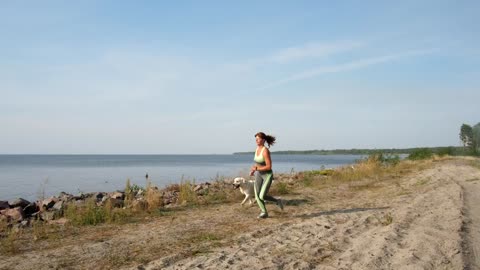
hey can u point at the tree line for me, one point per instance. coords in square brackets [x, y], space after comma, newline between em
[469, 136]
[450, 150]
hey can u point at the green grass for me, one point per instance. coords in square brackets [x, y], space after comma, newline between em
[92, 214]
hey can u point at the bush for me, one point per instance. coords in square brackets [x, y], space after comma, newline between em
[446, 151]
[386, 159]
[422, 153]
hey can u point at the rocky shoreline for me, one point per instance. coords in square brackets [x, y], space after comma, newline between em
[20, 212]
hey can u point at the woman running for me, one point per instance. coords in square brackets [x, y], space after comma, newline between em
[262, 169]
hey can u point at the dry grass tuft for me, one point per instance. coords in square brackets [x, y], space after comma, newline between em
[281, 188]
[153, 198]
[9, 243]
[186, 194]
[386, 219]
[92, 214]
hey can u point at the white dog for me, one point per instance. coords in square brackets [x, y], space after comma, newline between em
[246, 187]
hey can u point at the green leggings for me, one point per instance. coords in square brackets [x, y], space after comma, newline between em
[263, 180]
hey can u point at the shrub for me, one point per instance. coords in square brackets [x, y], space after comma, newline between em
[450, 151]
[387, 159]
[422, 153]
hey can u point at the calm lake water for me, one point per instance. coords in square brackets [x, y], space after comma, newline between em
[30, 176]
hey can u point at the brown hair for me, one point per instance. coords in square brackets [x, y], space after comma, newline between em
[268, 138]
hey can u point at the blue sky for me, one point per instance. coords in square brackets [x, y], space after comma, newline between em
[202, 77]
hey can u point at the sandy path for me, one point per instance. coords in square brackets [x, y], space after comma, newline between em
[471, 189]
[420, 230]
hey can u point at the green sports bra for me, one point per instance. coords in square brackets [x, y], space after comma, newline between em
[259, 158]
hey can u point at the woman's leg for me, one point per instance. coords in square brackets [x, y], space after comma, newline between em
[265, 187]
[258, 187]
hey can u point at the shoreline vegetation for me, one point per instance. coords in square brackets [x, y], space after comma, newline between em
[450, 150]
[52, 223]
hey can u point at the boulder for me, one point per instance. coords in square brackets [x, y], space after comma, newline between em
[31, 209]
[169, 197]
[99, 196]
[79, 197]
[4, 219]
[49, 203]
[114, 202]
[20, 202]
[63, 196]
[4, 205]
[118, 195]
[47, 216]
[198, 188]
[15, 214]
[58, 205]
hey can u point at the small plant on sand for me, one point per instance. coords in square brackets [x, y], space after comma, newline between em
[387, 219]
[423, 181]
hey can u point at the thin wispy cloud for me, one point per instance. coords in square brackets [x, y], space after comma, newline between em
[310, 50]
[357, 64]
[313, 50]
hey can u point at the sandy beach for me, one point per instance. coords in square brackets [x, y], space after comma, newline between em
[422, 217]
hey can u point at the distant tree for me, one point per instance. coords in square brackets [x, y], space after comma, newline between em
[476, 138]
[466, 135]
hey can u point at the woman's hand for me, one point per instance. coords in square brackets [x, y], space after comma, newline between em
[252, 170]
